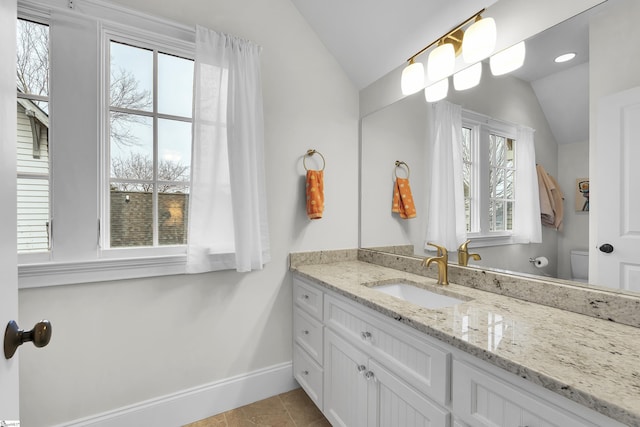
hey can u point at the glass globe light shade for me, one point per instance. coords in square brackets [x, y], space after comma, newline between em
[437, 91]
[441, 63]
[508, 60]
[479, 40]
[468, 78]
[412, 78]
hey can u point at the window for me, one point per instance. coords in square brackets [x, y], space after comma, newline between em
[75, 171]
[32, 80]
[149, 145]
[489, 169]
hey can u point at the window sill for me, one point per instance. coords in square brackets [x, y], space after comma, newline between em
[67, 273]
[481, 241]
[108, 268]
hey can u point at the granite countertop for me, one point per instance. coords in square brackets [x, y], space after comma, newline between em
[591, 361]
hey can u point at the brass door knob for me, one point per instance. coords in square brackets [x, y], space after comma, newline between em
[14, 337]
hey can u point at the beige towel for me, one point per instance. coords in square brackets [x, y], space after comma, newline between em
[551, 199]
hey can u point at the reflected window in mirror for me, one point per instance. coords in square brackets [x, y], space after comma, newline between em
[489, 167]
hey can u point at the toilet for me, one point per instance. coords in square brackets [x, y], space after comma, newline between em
[580, 265]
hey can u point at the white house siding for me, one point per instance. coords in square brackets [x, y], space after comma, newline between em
[33, 185]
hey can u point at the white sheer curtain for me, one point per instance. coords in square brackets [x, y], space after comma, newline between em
[446, 225]
[528, 228]
[227, 208]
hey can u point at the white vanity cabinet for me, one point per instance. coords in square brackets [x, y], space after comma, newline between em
[363, 368]
[374, 373]
[308, 336]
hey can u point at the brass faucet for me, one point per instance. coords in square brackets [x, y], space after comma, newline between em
[441, 260]
[463, 254]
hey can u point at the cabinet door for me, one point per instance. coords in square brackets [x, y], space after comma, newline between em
[345, 387]
[393, 403]
[482, 400]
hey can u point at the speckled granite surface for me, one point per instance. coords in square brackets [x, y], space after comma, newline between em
[591, 361]
[602, 303]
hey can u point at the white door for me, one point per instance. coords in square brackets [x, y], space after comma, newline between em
[9, 407]
[616, 193]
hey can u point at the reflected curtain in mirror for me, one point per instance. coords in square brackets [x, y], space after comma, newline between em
[446, 217]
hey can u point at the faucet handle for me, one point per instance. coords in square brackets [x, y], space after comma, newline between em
[464, 247]
[442, 251]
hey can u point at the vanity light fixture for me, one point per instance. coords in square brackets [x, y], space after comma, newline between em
[468, 78]
[508, 60]
[565, 57]
[476, 44]
[441, 63]
[479, 40]
[412, 77]
[437, 91]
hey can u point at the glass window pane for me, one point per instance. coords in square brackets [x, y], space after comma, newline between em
[499, 183]
[173, 202]
[510, 153]
[509, 182]
[32, 63]
[131, 146]
[174, 150]
[509, 219]
[32, 139]
[175, 85]
[131, 74]
[33, 214]
[131, 215]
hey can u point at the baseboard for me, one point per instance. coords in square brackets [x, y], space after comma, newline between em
[194, 404]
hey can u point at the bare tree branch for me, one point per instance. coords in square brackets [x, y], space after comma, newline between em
[140, 167]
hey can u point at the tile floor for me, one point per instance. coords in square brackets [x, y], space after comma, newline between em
[291, 409]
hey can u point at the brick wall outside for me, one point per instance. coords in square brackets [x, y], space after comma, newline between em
[132, 220]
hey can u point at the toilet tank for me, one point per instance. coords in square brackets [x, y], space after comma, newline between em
[579, 265]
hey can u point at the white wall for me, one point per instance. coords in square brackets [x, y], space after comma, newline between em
[398, 132]
[574, 161]
[119, 343]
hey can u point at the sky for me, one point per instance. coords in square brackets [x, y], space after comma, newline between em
[175, 89]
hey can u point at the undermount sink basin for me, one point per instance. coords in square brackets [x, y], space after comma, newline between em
[417, 295]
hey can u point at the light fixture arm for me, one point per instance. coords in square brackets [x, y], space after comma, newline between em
[475, 16]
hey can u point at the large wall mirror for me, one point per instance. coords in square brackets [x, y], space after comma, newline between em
[553, 99]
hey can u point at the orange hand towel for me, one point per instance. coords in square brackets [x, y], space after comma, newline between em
[315, 194]
[402, 199]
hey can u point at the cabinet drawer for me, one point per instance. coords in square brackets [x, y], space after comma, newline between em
[307, 297]
[308, 374]
[481, 399]
[415, 360]
[307, 332]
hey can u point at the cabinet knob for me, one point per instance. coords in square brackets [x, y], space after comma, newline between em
[305, 372]
[369, 375]
[305, 332]
[305, 296]
[361, 368]
[365, 335]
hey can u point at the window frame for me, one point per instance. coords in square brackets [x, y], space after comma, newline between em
[87, 261]
[482, 127]
[157, 45]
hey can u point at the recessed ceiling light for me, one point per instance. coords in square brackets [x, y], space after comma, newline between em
[565, 57]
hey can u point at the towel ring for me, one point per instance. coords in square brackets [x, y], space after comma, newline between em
[399, 164]
[311, 153]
